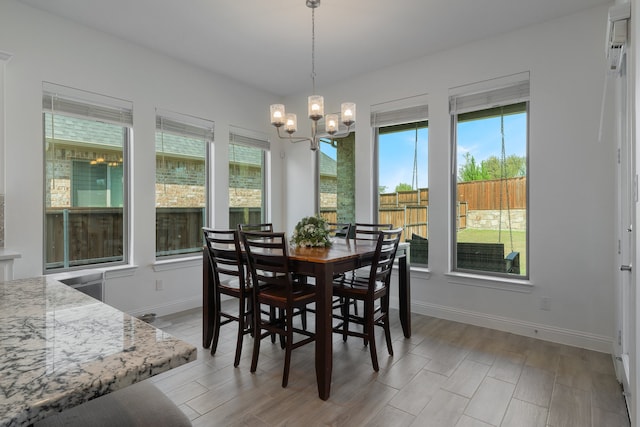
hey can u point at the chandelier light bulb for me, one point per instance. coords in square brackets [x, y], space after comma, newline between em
[291, 123]
[331, 123]
[348, 112]
[277, 114]
[316, 107]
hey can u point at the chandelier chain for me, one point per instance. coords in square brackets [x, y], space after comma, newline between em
[313, 50]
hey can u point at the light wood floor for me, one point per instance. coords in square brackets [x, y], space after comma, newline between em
[446, 374]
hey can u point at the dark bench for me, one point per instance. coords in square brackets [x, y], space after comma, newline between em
[471, 256]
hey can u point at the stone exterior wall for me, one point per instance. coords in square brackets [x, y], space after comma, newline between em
[181, 172]
[245, 198]
[187, 196]
[490, 219]
[346, 169]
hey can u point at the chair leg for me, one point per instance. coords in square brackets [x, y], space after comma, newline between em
[256, 349]
[303, 313]
[283, 339]
[216, 325]
[368, 326]
[387, 334]
[250, 314]
[241, 328]
[288, 348]
[272, 318]
[344, 308]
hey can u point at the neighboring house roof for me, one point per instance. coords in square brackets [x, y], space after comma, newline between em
[74, 130]
[71, 129]
[239, 153]
[328, 166]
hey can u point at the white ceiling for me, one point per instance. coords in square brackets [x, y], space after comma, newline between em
[267, 43]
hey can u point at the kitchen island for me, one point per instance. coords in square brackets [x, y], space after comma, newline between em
[60, 348]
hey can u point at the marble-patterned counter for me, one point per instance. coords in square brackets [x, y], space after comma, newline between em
[60, 348]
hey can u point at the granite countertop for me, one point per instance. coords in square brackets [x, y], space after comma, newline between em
[60, 348]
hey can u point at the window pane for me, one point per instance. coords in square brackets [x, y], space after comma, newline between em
[180, 192]
[337, 179]
[403, 180]
[84, 191]
[491, 190]
[246, 185]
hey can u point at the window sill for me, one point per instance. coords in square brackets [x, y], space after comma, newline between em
[176, 263]
[120, 271]
[505, 284]
[421, 272]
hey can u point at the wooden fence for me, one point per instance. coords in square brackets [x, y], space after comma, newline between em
[81, 236]
[479, 195]
[488, 195]
[418, 197]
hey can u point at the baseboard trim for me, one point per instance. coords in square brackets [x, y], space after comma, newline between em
[171, 307]
[570, 337]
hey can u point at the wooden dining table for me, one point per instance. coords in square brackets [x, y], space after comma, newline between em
[322, 264]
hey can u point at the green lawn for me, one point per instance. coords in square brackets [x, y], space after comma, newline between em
[493, 236]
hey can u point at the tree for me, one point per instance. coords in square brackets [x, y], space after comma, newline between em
[491, 168]
[403, 187]
[382, 189]
[471, 171]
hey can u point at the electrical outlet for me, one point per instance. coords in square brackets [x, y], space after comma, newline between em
[159, 285]
[545, 303]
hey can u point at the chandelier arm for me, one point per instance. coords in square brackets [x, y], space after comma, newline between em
[292, 139]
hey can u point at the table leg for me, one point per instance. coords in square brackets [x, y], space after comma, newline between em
[207, 300]
[404, 289]
[324, 330]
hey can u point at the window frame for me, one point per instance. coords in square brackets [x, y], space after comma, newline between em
[63, 101]
[482, 97]
[256, 140]
[191, 127]
[398, 113]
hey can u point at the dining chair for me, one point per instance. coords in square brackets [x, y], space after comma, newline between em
[276, 287]
[228, 267]
[264, 226]
[369, 231]
[373, 291]
[339, 230]
[267, 226]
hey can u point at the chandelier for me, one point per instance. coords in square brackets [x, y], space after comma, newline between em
[315, 104]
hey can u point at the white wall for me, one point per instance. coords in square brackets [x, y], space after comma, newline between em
[571, 174]
[571, 178]
[46, 48]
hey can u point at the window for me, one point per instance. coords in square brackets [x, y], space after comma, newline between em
[336, 179]
[402, 147]
[247, 171]
[490, 211]
[86, 143]
[182, 144]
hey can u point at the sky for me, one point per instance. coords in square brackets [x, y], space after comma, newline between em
[481, 138]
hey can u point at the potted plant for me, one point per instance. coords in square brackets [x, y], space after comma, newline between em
[311, 231]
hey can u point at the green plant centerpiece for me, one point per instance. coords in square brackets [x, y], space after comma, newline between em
[311, 231]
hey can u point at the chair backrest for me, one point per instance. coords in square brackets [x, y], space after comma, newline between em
[369, 231]
[382, 262]
[339, 230]
[267, 226]
[267, 256]
[225, 254]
